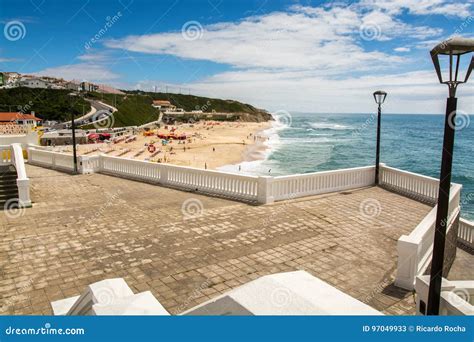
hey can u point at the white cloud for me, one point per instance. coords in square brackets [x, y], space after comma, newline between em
[402, 49]
[6, 60]
[390, 27]
[409, 92]
[420, 7]
[93, 57]
[313, 59]
[82, 71]
[304, 38]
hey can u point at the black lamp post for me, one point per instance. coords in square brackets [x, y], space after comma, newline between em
[452, 48]
[379, 97]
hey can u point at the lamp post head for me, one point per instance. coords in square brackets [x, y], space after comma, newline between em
[453, 47]
[380, 96]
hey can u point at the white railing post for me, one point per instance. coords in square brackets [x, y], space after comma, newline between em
[22, 181]
[163, 175]
[415, 250]
[407, 263]
[24, 192]
[81, 165]
[101, 163]
[466, 233]
[264, 190]
[382, 173]
[53, 161]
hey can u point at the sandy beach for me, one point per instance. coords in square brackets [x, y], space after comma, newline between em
[208, 144]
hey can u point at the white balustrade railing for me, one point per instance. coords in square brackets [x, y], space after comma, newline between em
[54, 160]
[285, 187]
[89, 164]
[222, 183]
[415, 250]
[422, 188]
[41, 158]
[263, 189]
[215, 182]
[466, 233]
[22, 181]
[129, 168]
[5, 155]
[457, 297]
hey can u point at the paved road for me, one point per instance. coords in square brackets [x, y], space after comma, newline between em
[98, 113]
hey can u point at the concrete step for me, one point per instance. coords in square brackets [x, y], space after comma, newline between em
[4, 181]
[5, 202]
[7, 169]
[8, 192]
[5, 199]
[109, 297]
[13, 176]
[8, 189]
[7, 180]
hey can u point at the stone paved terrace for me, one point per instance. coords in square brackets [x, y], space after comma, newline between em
[86, 228]
[462, 268]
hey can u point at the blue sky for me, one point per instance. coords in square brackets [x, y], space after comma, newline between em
[316, 56]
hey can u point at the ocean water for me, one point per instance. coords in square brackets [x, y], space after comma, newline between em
[317, 142]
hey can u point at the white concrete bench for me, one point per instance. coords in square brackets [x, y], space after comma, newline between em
[109, 297]
[290, 293]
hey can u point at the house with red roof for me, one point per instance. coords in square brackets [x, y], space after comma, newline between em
[19, 118]
[163, 104]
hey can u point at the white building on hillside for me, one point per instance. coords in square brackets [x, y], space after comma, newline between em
[34, 83]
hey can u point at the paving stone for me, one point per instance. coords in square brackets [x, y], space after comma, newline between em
[82, 229]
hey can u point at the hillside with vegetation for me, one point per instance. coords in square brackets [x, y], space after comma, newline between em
[48, 104]
[206, 104]
[134, 108]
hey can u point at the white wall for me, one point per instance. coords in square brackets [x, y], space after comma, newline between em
[30, 138]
